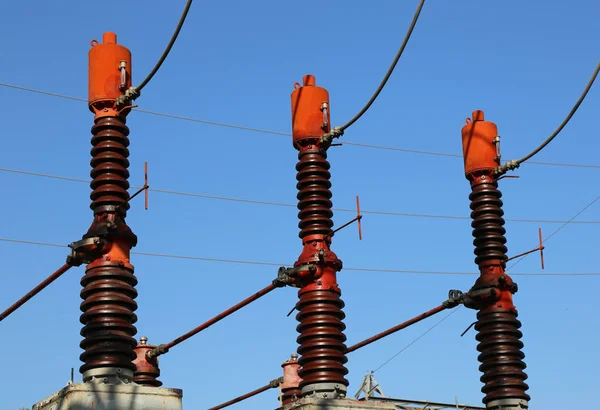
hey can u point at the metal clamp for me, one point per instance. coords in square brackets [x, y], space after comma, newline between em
[285, 276]
[157, 351]
[85, 250]
[455, 298]
[336, 132]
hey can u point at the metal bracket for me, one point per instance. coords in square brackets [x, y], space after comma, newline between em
[285, 276]
[157, 351]
[85, 250]
[455, 298]
[327, 138]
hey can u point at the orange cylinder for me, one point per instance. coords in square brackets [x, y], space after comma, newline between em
[479, 149]
[310, 110]
[107, 81]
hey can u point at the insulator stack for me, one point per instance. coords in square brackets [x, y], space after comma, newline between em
[109, 283]
[109, 165]
[108, 306]
[321, 339]
[320, 315]
[314, 196]
[497, 326]
[488, 224]
[501, 357]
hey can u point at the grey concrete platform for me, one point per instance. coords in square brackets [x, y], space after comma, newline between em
[337, 404]
[100, 396]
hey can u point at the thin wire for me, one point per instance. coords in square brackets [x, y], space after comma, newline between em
[566, 120]
[559, 228]
[287, 205]
[418, 338]
[165, 53]
[248, 262]
[263, 131]
[390, 70]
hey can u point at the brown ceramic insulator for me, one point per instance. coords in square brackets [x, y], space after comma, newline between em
[314, 196]
[488, 224]
[108, 316]
[322, 349]
[109, 165]
[146, 369]
[501, 356]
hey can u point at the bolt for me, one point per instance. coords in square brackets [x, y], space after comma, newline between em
[143, 340]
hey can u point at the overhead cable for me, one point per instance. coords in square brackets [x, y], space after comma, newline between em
[288, 205]
[134, 92]
[516, 163]
[248, 262]
[264, 131]
[390, 70]
[569, 221]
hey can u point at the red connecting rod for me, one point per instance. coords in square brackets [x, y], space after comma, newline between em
[35, 291]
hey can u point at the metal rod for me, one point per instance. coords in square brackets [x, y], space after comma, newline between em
[35, 291]
[139, 191]
[146, 185]
[394, 329]
[525, 253]
[156, 352]
[359, 216]
[244, 397]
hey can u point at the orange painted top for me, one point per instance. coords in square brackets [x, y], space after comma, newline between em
[310, 110]
[109, 71]
[479, 149]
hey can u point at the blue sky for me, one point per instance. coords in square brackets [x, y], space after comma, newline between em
[524, 63]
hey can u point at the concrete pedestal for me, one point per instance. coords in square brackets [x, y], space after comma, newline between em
[337, 404]
[99, 396]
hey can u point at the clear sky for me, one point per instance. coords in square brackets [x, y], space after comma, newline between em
[524, 63]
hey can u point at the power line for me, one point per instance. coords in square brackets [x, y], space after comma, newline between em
[264, 131]
[249, 262]
[163, 57]
[418, 338]
[288, 205]
[515, 164]
[514, 274]
[560, 228]
[390, 70]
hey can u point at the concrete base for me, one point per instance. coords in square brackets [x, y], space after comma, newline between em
[99, 396]
[337, 404]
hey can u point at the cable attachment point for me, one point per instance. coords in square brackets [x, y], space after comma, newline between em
[131, 94]
[509, 166]
[86, 250]
[286, 276]
[275, 383]
[157, 351]
[327, 138]
[455, 298]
